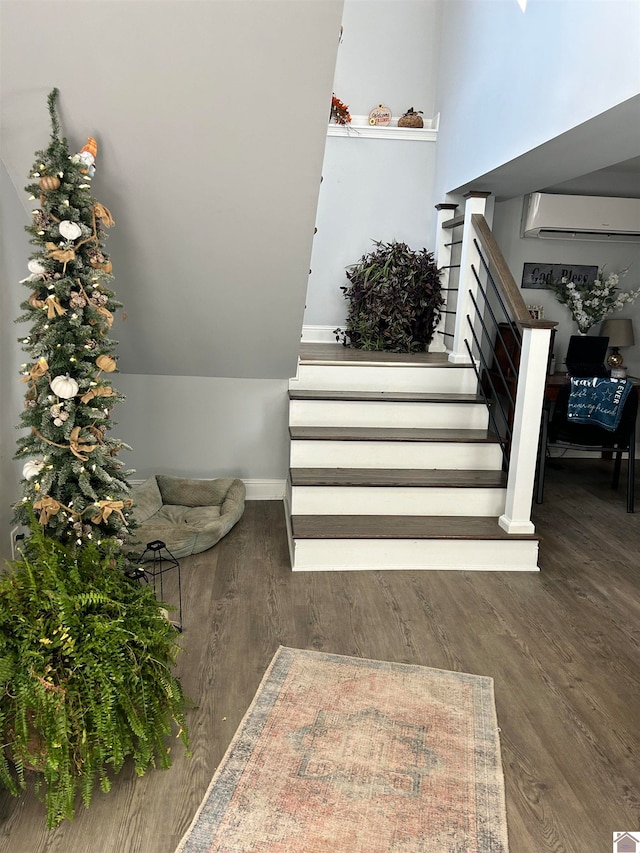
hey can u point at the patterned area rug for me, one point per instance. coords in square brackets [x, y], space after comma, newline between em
[343, 755]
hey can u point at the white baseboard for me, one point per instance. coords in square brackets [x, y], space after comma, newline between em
[318, 335]
[257, 490]
[265, 490]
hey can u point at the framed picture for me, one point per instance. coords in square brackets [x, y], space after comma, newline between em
[536, 312]
[539, 276]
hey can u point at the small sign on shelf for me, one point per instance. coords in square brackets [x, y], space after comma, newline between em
[380, 116]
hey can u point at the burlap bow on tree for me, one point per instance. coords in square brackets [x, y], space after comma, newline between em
[98, 391]
[103, 213]
[38, 370]
[58, 254]
[54, 307]
[48, 507]
[107, 507]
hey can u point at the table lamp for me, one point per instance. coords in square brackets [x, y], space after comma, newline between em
[620, 334]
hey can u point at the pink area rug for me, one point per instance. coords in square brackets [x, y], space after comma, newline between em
[343, 755]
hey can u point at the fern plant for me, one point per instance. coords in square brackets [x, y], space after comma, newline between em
[394, 300]
[86, 678]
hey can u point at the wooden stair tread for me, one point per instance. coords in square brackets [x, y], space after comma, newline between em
[428, 478]
[409, 434]
[338, 354]
[400, 527]
[385, 396]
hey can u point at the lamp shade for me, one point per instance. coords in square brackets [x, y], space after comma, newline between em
[619, 332]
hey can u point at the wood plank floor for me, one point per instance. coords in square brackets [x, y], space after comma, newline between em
[561, 645]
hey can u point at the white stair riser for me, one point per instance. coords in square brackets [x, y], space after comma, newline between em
[452, 380]
[396, 500]
[356, 413]
[395, 454]
[421, 554]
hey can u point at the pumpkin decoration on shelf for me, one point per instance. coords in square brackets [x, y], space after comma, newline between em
[49, 182]
[412, 118]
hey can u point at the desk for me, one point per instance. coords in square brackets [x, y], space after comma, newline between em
[556, 380]
[553, 383]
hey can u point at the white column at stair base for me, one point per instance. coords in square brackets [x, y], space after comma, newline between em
[526, 432]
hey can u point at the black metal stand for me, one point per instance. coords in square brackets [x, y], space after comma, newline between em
[157, 567]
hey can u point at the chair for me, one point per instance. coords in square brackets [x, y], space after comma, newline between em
[560, 432]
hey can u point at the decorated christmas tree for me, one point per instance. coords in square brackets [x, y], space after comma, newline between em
[73, 483]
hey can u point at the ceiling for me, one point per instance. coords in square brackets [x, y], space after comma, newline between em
[598, 157]
[621, 180]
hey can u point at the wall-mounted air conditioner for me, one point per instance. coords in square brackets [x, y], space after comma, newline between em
[581, 217]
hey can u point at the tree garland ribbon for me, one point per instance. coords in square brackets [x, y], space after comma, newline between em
[108, 316]
[35, 302]
[75, 446]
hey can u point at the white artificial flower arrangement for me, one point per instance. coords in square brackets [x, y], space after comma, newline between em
[592, 301]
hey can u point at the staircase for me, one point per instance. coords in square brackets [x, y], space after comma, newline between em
[393, 466]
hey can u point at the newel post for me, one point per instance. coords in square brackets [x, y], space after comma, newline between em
[526, 430]
[467, 284]
[443, 262]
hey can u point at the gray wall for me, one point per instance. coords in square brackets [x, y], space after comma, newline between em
[211, 125]
[13, 245]
[198, 426]
[210, 119]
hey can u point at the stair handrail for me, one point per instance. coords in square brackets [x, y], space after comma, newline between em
[480, 254]
[511, 293]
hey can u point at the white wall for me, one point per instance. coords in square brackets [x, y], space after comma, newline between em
[372, 190]
[388, 54]
[375, 189]
[612, 256]
[509, 81]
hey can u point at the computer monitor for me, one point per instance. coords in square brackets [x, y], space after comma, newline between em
[586, 355]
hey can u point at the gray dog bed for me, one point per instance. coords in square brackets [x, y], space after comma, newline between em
[190, 516]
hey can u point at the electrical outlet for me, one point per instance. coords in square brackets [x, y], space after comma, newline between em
[16, 538]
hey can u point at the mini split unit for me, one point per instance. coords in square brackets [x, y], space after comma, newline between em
[581, 217]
